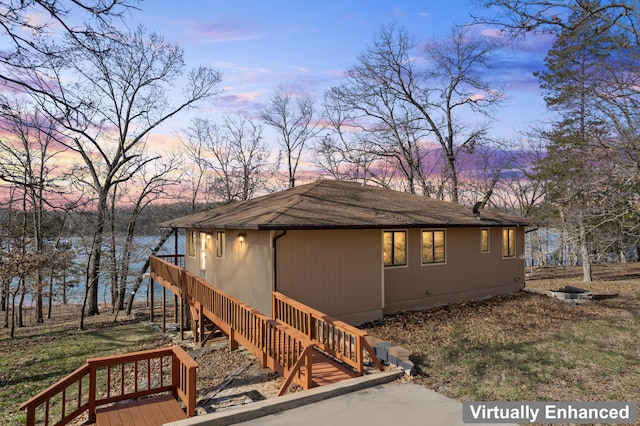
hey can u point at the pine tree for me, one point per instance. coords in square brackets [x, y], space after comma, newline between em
[571, 82]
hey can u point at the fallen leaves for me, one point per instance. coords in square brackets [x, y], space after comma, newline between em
[529, 346]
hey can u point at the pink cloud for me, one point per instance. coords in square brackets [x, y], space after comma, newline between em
[201, 31]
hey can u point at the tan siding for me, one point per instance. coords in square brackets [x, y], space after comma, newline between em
[340, 272]
[467, 273]
[244, 272]
[335, 271]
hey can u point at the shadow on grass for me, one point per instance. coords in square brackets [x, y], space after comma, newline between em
[48, 357]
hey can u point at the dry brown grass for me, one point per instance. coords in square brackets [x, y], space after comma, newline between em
[526, 347]
[520, 347]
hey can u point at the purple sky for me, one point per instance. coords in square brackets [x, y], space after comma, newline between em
[260, 45]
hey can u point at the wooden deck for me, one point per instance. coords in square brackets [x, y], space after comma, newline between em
[327, 371]
[154, 411]
[138, 388]
[300, 343]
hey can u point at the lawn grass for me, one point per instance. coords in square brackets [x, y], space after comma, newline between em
[41, 354]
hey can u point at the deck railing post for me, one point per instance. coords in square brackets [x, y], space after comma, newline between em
[175, 308]
[201, 329]
[264, 343]
[233, 343]
[164, 310]
[151, 299]
[92, 391]
[274, 307]
[309, 362]
[360, 354]
[31, 415]
[181, 318]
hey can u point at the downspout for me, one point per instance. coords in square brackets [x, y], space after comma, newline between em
[275, 259]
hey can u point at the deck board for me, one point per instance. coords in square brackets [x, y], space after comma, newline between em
[152, 411]
[327, 371]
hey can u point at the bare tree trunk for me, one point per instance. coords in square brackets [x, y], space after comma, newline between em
[13, 315]
[23, 292]
[142, 271]
[39, 298]
[584, 253]
[37, 224]
[50, 293]
[93, 272]
[84, 306]
[113, 254]
[4, 300]
[64, 286]
[6, 296]
[124, 267]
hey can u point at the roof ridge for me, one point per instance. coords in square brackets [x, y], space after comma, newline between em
[295, 200]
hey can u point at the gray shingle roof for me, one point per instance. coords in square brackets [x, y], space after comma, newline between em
[330, 204]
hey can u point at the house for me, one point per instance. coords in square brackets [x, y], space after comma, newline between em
[354, 251]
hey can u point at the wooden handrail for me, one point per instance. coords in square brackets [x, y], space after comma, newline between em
[55, 396]
[277, 345]
[339, 339]
[111, 378]
[178, 259]
[183, 379]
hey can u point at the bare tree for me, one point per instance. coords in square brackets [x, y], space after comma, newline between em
[213, 159]
[519, 18]
[27, 24]
[342, 152]
[28, 154]
[250, 153]
[194, 178]
[235, 155]
[293, 117]
[22, 262]
[119, 96]
[148, 186]
[405, 100]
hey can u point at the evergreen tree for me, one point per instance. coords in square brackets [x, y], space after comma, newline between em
[574, 166]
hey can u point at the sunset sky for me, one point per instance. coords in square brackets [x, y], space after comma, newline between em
[260, 45]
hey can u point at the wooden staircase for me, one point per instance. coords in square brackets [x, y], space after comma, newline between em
[303, 345]
[130, 389]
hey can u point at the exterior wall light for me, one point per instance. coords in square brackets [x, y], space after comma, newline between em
[241, 237]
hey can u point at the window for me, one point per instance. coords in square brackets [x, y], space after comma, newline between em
[191, 243]
[203, 251]
[433, 246]
[508, 242]
[220, 242]
[484, 240]
[395, 248]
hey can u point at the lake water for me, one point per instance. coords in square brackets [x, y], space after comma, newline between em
[143, 246]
